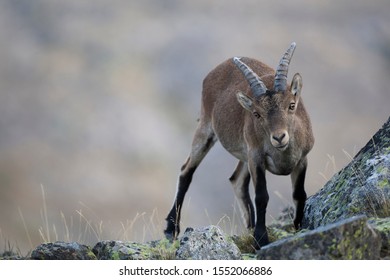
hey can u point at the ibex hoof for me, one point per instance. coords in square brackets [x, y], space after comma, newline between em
[169, 235]
[297, 225]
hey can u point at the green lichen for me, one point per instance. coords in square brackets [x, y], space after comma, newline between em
[115, 255]
[249, 257]
[278, 233]
[383, 183]
[91, 255]
[382, 226]
[354, 252]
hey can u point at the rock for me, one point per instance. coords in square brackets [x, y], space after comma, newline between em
[10, 255]
[120, 250]
[62, 251]
[382, 226]
[349, 239]
[208, 243]
[362, 187]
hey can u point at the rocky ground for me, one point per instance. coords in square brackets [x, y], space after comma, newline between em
[349, 218]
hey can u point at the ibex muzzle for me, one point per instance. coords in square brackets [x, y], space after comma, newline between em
[279, 139]
[262, 121]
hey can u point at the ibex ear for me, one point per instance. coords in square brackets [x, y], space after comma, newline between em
[296, 85]
[245, 101]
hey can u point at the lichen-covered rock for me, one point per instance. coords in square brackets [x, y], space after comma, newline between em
[63, 251]
[126, 250]
[10, 255]
[352, 238]
[382, 226]
[362, 187]
[208, 243]
[121, 250]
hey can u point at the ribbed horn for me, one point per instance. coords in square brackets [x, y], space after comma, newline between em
[280, 83]
[257, 86]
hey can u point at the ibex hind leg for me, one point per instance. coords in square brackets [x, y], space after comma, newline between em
[203, 141]
[240, 180]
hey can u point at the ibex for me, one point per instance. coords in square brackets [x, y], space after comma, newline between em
[260, 120]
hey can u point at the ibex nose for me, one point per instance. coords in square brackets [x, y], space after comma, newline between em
[280, 139]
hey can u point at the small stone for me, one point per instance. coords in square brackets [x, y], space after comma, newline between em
[120, 250]
[62, 251]
[208, 243]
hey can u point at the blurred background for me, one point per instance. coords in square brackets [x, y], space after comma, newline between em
[99, 101]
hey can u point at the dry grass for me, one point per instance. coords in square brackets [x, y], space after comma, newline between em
[85, 227]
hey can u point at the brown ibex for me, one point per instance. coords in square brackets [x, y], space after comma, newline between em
[260, 120]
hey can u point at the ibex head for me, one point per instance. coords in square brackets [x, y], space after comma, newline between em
[274, 109]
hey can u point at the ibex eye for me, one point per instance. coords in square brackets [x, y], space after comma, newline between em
[292, 106]
[257, 115]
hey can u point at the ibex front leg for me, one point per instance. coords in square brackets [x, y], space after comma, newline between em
[299, 194]
[257, 170]
[203, 140]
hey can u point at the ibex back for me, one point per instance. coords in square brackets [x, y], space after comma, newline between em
[259, 119]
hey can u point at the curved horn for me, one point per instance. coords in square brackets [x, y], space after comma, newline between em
[257, 86]
[280, 83]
